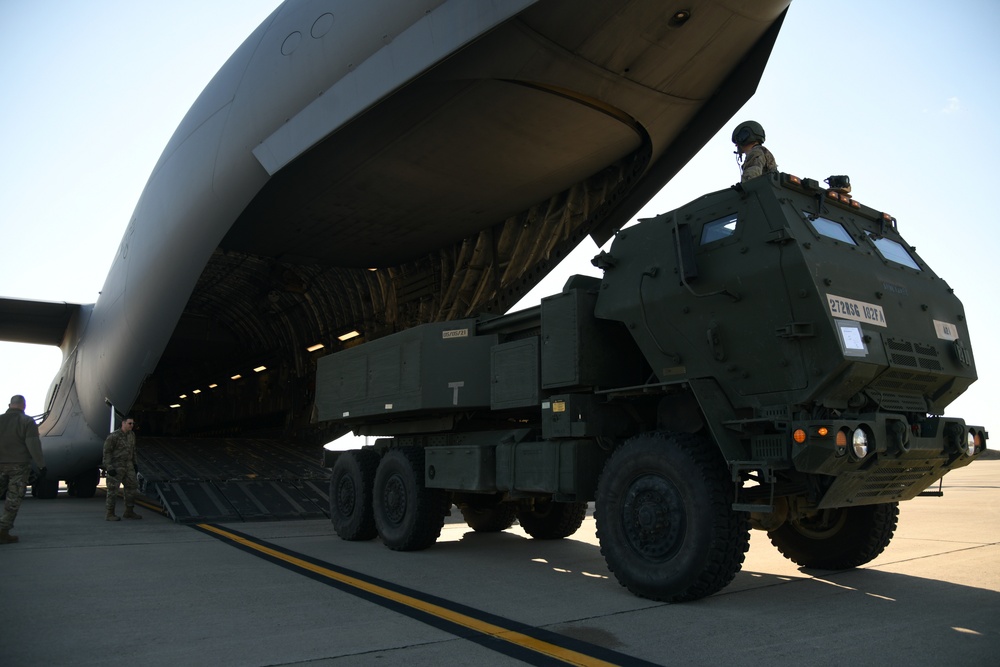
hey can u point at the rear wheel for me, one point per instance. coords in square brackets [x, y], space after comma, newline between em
[409, 516]
[550, 520]
[838, 538]
[489, 516]
[665, 519]
[351, 486]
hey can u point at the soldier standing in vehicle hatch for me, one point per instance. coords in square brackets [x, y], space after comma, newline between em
[121, 465]
[756, 160]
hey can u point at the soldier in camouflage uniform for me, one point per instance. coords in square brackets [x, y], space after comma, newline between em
[121, 466]
[757, 160]
[19, 444]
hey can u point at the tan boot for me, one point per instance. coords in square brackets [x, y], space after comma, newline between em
[130, 514]
[6, 537]
[111, 516]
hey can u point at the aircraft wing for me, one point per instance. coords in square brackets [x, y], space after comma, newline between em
[36, 322]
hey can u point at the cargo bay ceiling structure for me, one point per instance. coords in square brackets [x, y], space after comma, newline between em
[459, 192]
[359, 168]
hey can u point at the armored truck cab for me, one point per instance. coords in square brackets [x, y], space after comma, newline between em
[772, 355]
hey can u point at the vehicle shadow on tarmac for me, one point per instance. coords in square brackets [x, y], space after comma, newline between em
[923, 605]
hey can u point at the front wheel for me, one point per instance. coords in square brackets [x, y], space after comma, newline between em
[839, 538]
[665, 519]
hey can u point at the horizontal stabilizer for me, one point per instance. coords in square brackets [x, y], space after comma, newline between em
[36, 322]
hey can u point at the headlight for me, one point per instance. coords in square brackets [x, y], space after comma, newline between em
[972, 441]
[859, 443]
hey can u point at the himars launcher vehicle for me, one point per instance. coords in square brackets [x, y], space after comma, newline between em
[774, 355]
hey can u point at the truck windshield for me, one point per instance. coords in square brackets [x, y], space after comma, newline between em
[892, 251]
[829, 228]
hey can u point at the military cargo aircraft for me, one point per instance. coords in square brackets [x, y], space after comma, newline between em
[356, 168]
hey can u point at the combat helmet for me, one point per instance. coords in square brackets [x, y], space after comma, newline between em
[747, 131]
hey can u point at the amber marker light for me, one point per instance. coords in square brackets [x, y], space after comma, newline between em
[799, 435]
[822, 431]
[794, 179]
[841, 442]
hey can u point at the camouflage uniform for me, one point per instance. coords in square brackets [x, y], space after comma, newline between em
[758, 162]
[119, 456]
[19, 444]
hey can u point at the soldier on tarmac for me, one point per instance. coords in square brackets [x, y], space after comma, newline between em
[121, 466]
[19, 445]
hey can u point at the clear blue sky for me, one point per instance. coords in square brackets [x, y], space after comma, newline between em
[900, 95]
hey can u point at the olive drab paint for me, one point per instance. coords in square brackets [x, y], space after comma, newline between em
[780, 337]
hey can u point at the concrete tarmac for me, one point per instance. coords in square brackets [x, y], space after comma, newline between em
[78, 590]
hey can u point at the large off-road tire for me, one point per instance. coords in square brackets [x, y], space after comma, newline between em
[409, 516]
[837, 539]
[489, 516]
[549, 520]
[665, 519]
[351, 486]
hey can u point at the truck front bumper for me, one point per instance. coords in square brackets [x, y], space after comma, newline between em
[882, 458]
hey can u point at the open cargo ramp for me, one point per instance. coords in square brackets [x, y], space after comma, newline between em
[233, 479]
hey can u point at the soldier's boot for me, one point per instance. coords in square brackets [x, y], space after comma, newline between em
[111, 515]
[6, 537]
[130, 514]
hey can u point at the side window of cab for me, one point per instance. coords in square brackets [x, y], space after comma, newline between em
[719, 229]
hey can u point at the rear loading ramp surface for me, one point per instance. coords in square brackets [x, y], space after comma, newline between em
[233, 479]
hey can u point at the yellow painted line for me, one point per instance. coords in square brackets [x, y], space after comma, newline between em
[518, 638]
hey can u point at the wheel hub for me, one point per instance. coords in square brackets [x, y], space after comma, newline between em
[394, 500]
[651, 517]
[346, 496]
